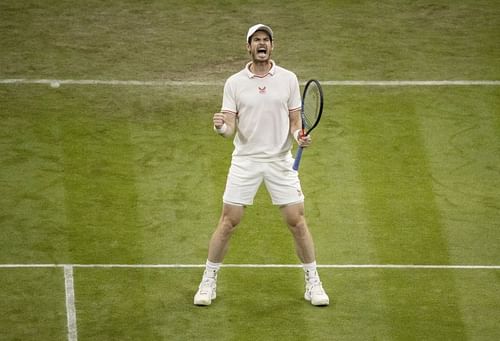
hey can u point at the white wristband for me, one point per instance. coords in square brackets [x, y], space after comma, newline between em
[221, 130]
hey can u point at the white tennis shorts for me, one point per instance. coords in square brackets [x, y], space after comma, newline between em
[246, 175]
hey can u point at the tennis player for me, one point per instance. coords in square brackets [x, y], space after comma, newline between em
[261, 107]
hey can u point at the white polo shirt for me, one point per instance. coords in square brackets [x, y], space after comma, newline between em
[262, 105]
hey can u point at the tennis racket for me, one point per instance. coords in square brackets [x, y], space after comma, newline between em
[310, 112]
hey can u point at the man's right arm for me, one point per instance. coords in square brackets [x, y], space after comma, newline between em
[225, 123]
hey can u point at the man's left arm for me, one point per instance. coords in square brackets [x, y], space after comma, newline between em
[296, 129]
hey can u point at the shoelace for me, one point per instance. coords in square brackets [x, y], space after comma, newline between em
[206, 286]
[316, 288]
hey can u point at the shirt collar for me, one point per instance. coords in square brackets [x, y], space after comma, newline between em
[271, 72]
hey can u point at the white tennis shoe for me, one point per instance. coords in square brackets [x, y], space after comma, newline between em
[206, 291]
[316, 294]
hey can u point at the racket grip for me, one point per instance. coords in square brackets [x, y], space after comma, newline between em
[298, 156]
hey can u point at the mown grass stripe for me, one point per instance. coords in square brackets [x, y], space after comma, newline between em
[99, 181]
[405, 222]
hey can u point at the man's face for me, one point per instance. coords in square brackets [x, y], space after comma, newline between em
[260, 46]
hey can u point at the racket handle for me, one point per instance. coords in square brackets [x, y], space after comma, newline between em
[298, 156]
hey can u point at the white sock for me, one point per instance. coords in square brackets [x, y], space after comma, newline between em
[211, 269]
[311, 272]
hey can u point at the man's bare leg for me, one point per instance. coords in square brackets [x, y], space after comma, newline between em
[219, 243]
[304, 245]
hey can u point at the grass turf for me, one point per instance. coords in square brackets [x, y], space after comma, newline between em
[103, 174]
[102, 186]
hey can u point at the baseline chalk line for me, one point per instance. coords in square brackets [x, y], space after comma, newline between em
[59, 82]
[68, 268]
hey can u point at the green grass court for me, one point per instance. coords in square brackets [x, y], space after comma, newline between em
[102, 174]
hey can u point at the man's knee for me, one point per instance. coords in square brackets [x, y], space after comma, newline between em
[294, 215]
[230, 217]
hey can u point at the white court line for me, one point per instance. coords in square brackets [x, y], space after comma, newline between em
[220, 83]
[70, 303]
[180, 266]
[412, 83]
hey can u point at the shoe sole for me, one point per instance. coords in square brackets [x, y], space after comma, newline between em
[204, 302]
[317, 303]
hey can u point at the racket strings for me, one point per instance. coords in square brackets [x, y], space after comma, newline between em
[312, 104]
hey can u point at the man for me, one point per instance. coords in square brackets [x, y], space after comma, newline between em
[261, 105]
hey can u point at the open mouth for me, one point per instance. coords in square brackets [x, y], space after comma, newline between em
[261, 51]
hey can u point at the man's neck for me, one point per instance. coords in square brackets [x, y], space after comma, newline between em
[261, 68]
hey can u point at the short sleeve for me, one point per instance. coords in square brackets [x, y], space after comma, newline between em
[229, 98]
[294, 102]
